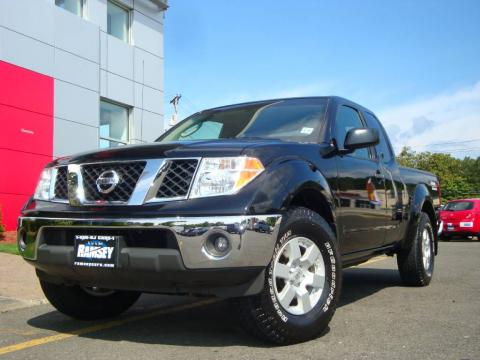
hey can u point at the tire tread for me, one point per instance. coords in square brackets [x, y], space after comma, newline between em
[251, 310]
[409, 260]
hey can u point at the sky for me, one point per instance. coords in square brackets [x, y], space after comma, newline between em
[416, 64]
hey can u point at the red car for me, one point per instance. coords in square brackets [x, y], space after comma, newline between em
[460, 218]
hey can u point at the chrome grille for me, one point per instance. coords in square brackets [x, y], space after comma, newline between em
[129, 174]
[176, 178]
[61, 184]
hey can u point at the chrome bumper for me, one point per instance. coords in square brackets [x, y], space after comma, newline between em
[249, 248]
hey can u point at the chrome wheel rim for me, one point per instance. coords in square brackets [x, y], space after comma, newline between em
[426, 249]
[298, 275]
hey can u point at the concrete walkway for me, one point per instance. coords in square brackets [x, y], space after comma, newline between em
[19, 286]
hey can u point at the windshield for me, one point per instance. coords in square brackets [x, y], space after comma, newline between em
[292, 120]
[459, 206]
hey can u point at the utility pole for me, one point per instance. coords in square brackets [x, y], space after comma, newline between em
[174, 102]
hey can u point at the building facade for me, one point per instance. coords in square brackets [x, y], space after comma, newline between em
[75, 75]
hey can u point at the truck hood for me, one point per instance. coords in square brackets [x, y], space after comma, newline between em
[199, 148]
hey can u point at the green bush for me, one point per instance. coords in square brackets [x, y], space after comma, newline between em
[2, 229]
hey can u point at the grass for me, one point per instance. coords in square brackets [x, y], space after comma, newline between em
[9, 248]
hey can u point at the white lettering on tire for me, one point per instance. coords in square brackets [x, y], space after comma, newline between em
[333, 268]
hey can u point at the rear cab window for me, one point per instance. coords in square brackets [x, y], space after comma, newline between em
[459, 206]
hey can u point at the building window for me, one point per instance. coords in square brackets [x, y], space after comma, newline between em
[113, 124]
[74, 6]
[118, 21]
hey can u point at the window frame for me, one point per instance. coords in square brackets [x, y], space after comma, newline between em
[129, 123]
[370, 150]
[129, 20]
[385, 136]
[83, 9]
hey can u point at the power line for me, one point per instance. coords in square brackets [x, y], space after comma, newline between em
[453, 142]
[184, 110]
[457, 150]
[191, 103]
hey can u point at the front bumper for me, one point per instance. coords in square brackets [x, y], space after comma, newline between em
[186, 266]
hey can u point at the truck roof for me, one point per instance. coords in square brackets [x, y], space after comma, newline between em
[331, 98]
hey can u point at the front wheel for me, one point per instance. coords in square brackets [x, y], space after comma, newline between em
[88, 303]
[302, 284]
[416, 262]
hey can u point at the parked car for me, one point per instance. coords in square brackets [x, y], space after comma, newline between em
[261, 226]
[321, 169]
[195, 231]
[460, 218]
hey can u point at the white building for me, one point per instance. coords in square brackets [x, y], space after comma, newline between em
[75, 75]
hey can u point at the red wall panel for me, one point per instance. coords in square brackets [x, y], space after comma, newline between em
[26, 89]
[11, 206]
[23, 171]
[26, 137]
[24, 130]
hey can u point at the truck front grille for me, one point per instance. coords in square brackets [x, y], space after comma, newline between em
[61, 183]
[172, 183]
[129, 174]
[176, 178]
[134, 238]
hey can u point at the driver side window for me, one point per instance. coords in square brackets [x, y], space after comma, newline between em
[348, 118]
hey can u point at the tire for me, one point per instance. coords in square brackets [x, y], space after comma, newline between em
[84, 304]
[279, 322]
[415, 268]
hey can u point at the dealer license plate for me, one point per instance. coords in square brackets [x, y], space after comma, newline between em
[96, 251]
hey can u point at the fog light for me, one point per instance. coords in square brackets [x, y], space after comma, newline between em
[217, 245]
[221, 244]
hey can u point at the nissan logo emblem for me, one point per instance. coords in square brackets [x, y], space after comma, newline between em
[107, 181]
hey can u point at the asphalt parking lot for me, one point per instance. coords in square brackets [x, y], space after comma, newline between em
[378, 318]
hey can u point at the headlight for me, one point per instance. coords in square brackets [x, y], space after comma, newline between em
[42, 192]
[224, 176]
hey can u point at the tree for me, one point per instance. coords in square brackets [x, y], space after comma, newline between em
[471, 168]
[457, 177]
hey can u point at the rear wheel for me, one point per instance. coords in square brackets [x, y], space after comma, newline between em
[302, 285]
[416, 262]
[88, 303]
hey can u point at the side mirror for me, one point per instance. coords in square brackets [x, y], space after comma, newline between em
[360, 138]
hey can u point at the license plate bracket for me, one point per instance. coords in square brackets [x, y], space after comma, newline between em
[96, 251]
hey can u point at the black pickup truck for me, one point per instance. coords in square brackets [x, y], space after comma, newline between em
[264, 203]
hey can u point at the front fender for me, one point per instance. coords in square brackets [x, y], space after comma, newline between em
[286, 180]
